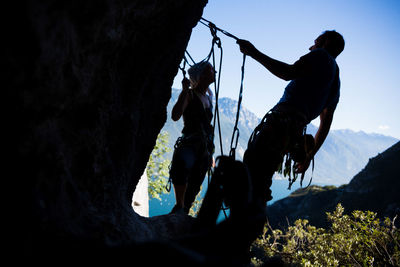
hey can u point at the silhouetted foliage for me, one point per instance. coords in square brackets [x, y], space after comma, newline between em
[158, 167]
[359, 239]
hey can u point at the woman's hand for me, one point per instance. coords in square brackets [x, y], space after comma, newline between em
[182, 101]
[185, 84]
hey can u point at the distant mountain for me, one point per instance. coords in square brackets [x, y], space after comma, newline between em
[227, 110]
[345, 152]
[375, 188]
[342, 156]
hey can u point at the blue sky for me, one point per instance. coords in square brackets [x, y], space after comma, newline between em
[285, 29]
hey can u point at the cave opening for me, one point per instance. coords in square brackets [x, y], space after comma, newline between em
[92, 81]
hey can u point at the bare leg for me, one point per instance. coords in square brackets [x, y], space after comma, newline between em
[182, 163]
[180, 191]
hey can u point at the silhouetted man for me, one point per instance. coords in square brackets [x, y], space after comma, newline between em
[313, 91]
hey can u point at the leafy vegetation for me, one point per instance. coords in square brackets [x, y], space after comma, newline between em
[359, 239]
[158, 167]
[157, 171]
[194, 210]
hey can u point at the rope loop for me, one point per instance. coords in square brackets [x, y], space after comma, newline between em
[183, 67]
[215, 28]
[235, 134]
[217, 41]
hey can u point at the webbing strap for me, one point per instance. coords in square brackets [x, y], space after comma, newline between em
[203, 20]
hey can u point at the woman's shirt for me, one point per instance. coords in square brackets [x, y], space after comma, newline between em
[196, 117]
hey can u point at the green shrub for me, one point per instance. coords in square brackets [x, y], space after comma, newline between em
[157, 169]
[359, 239]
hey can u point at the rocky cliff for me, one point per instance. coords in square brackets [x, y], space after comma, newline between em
[92, 81]
[375, 188]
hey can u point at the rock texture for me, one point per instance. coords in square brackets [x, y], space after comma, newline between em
[92, 81]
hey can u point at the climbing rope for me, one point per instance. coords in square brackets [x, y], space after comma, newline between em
[235, 133]
[216, 120]
[183, 68]
[217, 41]
[189, 57]
[211, 56]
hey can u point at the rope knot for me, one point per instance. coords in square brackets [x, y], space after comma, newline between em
[213, 29]
[217, 41]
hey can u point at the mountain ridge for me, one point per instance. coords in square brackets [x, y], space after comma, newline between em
[341, 157]
[343, 154]
[374, 188]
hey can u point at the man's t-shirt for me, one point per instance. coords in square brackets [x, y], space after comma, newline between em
[318, 88]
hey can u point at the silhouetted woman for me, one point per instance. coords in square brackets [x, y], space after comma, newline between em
[193, 150]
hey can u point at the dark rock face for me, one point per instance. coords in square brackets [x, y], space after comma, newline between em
[375, 188]
[92, 79]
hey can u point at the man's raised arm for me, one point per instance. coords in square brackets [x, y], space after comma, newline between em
[280, 69]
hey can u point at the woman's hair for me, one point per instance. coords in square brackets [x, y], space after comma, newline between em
[335, 44]
[196, 71]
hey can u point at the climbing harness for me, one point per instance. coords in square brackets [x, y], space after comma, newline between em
[295, 155]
